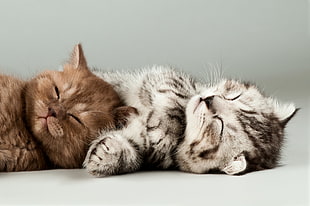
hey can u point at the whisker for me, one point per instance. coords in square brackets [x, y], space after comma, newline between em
[213, 73]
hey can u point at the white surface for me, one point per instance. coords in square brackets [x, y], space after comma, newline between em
[282, 186]
[265, 41]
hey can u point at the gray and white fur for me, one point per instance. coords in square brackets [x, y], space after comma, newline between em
[183, 124]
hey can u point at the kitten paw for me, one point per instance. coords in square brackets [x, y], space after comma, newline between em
[109, 156]
[103, 157]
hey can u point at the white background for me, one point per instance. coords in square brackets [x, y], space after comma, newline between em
[264, 41]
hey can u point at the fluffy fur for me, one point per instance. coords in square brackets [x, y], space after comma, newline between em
[49, 121]
[229, 127]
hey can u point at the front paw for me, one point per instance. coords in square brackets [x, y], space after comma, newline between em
[103, 157]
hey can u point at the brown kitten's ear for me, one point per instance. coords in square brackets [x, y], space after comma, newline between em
[78, 60]
[237, 165]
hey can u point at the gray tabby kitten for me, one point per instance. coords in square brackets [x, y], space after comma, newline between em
[182, 124]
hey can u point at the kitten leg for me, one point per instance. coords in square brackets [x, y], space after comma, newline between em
[111, 154]
[14, 158]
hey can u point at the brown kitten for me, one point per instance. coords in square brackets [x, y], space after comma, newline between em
[53, 117]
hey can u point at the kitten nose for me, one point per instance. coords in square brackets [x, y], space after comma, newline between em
[209, 101]
[51, 112]
[56, 111]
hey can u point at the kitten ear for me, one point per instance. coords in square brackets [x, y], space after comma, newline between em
[237, 165]
[285, 112]
[121, 115]
[78, 60]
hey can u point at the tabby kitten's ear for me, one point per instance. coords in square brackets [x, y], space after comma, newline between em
[78, 60]
[285, 112]
[237, 165]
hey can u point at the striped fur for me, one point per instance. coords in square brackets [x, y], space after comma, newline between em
[184, 124]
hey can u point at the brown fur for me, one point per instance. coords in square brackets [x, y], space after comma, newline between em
[49, 121]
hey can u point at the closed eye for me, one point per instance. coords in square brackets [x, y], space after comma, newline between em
[76, 118]
[234, 98]
[57, 92]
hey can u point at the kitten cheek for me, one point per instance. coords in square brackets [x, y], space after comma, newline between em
[39, 125]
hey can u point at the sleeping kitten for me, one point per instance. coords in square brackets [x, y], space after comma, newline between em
[229, 127]
[50, 120]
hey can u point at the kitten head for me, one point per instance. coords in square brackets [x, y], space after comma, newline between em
[65, 109]
[234, 128]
